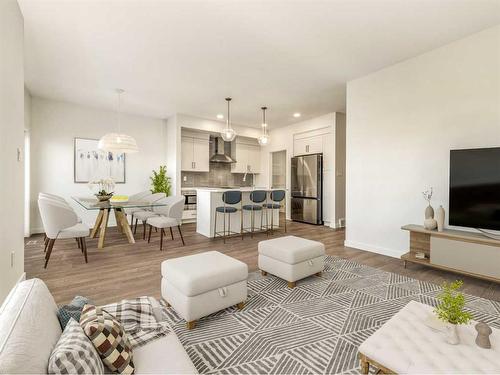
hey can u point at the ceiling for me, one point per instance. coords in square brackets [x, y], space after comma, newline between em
[187, 56]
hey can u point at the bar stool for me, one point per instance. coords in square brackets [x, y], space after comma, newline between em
[230, 197]
[256, 196]
[277, 196]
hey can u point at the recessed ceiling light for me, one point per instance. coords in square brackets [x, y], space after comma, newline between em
[296, 114]
[220, 116]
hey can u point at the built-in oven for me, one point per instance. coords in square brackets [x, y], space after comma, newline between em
[190, 200]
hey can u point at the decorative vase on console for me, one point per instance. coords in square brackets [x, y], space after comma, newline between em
[429, 222]
[440, 218]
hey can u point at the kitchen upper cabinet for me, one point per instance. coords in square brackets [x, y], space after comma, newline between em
[308, 144]
[195, 153]
[247, 155]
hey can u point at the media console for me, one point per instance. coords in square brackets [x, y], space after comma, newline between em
[468, 253]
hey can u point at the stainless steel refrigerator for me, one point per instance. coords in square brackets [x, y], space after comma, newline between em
[307, 188]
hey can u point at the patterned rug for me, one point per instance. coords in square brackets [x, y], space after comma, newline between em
[314, 328]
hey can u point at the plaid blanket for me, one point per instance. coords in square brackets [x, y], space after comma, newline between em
[140, 318]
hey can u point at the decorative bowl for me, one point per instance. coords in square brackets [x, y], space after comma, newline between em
[104, 198]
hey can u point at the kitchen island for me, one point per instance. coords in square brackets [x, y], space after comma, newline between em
[210, 198]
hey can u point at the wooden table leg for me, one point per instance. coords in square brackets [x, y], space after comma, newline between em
[365, 365]
[122, 218]
[118, 221]
[104, 226]
[97, 224]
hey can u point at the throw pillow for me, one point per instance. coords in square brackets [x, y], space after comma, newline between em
[109, 338]
[74, 353]
[73, 310]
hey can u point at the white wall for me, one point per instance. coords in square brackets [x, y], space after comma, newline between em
[11, 140]
[55, 125]
[283, 138]
[26, 160]
[401, 124]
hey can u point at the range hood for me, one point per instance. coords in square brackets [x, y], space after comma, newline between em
[220, 151]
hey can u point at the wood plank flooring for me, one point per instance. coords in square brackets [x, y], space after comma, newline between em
[123, 270]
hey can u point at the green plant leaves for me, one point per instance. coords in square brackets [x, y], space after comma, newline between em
[451, 304]
[160, 182]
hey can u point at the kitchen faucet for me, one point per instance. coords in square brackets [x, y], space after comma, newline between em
[253, 178]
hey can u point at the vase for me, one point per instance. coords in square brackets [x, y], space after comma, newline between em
[429, 212]
[452, 334]
[440, 218]
[430, 224]
[104, 198]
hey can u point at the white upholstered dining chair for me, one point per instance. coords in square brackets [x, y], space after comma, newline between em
[134, 198]
[146, 213]
[168, 216]
[61, 222]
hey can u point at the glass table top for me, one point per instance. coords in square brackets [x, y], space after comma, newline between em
[91, 203]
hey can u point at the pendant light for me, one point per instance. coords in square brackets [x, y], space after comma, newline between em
[264, 138]
[228, 134]
[118, 142]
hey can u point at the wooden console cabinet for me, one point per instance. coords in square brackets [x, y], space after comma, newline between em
[468, 253]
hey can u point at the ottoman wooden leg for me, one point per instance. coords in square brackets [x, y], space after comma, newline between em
[240, 305]
[318, 273]
[291, 284]
[264, 273]
[365, 365]
[191, 324]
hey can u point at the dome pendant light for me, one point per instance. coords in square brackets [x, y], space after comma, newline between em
[264, 138]
[117, 142]
[228, 134]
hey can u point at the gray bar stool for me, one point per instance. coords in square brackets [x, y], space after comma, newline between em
[230, 197]
[277, 196]
[256, 196]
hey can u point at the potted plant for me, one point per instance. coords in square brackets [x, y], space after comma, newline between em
[450, 309]
[104, 188]
[160, 182]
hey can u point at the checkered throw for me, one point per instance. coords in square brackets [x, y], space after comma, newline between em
[137, 317]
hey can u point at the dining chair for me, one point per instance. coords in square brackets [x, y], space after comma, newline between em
[57, 198]
[134, 198]
[168, 216]
[146, 213]
[61, 222]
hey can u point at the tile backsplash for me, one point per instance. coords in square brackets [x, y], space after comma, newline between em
[219, 175]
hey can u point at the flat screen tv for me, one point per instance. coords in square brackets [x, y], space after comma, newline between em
[475, 188]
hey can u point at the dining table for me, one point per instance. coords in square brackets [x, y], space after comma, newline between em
[119, 208]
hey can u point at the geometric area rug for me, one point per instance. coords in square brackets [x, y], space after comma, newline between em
[315, 328]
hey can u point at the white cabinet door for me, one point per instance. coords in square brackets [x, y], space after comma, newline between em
[186, 154]
[241, 155]
[300, 146]
[253, 158]
[315, 145]
[201, 155]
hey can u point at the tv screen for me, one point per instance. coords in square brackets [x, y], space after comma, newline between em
[475, 188]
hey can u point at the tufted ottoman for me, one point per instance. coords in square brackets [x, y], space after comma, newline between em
[291, 258]
[405, 344]
[201, 284]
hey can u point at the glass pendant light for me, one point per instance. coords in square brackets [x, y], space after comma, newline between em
[118, 142]
[264, 138]
[228, 134]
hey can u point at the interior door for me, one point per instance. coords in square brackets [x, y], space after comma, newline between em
[310, 176]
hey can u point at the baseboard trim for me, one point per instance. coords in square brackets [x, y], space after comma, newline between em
[374, 249]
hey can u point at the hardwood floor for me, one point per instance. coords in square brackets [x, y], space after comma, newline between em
[123, 270]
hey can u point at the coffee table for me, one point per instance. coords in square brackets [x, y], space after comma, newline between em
[405, 344]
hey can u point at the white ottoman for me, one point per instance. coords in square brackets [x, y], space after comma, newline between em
[201, 284]
[291, 258]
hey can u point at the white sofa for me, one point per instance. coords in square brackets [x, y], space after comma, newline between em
[29, 330]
